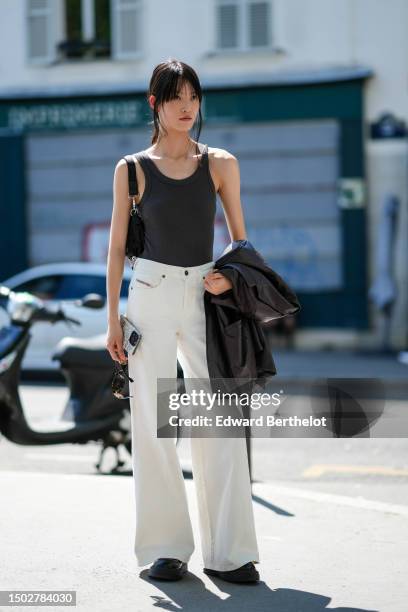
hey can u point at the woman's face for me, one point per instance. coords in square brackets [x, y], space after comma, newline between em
[185, 104]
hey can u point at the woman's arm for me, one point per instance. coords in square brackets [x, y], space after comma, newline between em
[227, 168]
[116, 259]
[229, 180]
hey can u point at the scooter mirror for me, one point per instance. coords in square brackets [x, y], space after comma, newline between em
[92, 300]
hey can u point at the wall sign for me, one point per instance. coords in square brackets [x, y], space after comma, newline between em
[73, 114]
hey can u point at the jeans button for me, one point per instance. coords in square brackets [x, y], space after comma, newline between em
[186, 272]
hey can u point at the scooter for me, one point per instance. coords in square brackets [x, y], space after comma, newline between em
[92, 412]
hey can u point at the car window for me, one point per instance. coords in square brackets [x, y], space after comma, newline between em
[124, 290]
[76, 286]
[44, 287]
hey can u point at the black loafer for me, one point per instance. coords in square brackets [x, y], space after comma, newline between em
[167, 568]
[245, 573]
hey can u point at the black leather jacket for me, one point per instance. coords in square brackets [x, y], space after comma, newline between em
[236, 344]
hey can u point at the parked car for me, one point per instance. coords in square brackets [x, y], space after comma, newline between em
[64, 282]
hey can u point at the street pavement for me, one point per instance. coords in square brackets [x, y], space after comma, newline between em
[317, 551]
[331, 516]
[307, 364]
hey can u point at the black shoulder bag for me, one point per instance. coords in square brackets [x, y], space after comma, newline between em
[136, 230]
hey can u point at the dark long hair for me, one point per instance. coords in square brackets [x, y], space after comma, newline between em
[166, 79]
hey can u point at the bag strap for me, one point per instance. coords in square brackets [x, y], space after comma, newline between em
[132, 177]
[132, 182]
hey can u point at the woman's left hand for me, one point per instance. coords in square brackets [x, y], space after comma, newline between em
[216, 283]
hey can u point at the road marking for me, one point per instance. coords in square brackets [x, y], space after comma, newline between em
[317, 470]
[268, 490]
[331, 498]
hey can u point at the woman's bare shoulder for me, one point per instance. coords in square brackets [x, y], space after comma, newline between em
[134, 155]
[222, 165]
[121, 165]
[121, 172]
[220, 159]
[216, 153]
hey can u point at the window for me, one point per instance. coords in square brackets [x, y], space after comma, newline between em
[228, 26]
[83, 29]
[43, 287]
[124, 290]
[87, 29]
[258, 24]
[40, 42]
[76, 286]
[69, 286]
[127, 28]
[243, 24]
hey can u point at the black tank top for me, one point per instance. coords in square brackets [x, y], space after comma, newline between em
[178, 214]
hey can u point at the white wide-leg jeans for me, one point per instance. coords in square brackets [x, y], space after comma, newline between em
[166, 303]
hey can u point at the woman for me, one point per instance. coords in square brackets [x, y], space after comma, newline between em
[178, 179]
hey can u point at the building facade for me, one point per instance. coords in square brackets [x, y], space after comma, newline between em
[292, 89]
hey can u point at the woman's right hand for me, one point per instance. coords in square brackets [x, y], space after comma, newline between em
[114, 342]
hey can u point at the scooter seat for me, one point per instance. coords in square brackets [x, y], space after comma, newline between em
[89, 352]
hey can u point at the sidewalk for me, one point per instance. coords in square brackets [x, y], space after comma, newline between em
[305, 364]
[302, 366]
[318, 551]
